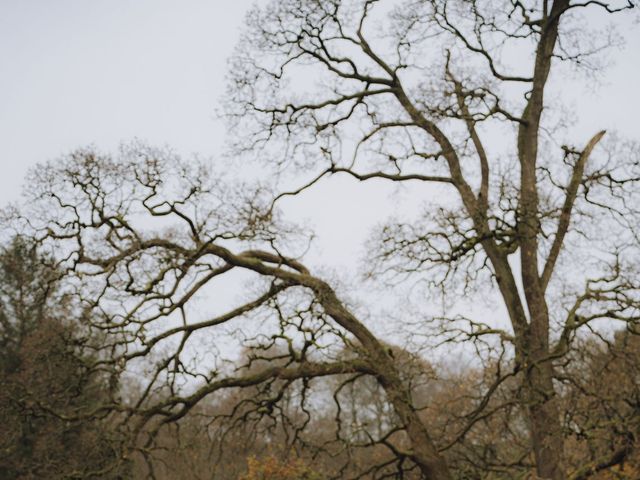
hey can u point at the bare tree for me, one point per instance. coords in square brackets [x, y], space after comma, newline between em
[455, 93]
[153, 247]
[146, 240]
[223, 436]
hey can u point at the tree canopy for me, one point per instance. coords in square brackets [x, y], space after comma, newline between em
[195, 284]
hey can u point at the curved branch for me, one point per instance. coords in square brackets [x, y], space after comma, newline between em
[567, 208]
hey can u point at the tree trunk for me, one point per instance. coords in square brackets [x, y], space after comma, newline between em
[540, 396]
[546, 430]
[424, 452]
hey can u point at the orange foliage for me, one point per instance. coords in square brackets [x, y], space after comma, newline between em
[272, 468]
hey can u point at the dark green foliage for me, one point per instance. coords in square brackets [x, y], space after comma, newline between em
[51, 423]
[26, 285]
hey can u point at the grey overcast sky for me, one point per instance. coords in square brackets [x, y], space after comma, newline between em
[79, 72]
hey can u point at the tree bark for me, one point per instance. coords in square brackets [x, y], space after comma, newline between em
[544, 416]
[546, 432]
[423, 451]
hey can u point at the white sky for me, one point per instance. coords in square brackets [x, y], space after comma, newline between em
[78, 72]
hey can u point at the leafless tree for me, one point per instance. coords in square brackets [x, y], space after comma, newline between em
[425, 92]
[455, 94]
[146, 240]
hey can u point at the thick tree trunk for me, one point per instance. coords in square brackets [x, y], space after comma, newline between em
[546, 433]
[547, 439]
[546, 429]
